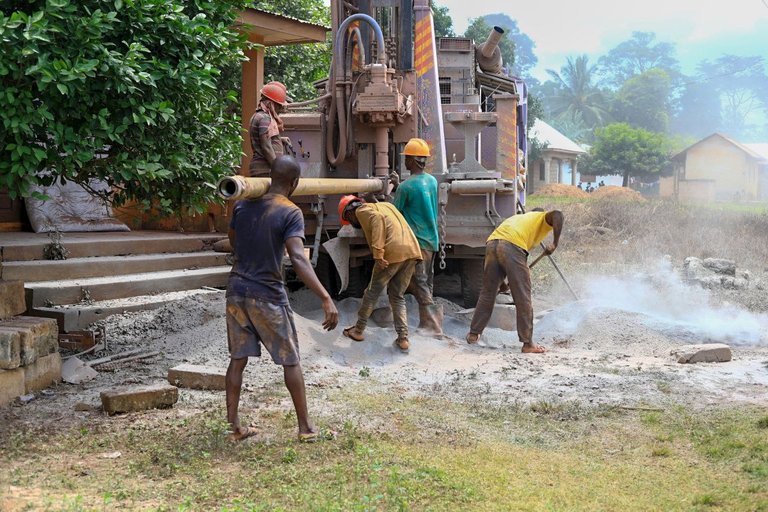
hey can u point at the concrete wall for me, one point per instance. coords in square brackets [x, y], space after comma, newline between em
[697, 190]
[667, 187]
[733, 171]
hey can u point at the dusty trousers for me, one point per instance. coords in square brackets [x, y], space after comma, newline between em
[503, 259]
[395, 278]
[421, 282]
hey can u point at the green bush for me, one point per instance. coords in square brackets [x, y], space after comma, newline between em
[127, 91]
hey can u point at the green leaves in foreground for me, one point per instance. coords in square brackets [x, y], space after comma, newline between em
[124, 91]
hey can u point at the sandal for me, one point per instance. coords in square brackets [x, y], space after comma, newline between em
[241, 434]
[319, 435]
[348, 333]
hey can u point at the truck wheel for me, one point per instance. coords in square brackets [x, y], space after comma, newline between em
[471, 281]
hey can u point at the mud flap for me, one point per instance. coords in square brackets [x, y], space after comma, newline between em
[338, 250]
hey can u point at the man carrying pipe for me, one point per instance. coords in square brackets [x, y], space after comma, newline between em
[416, 198]
[258, 311]
[506, 255]
[395, 251]
[265, 128]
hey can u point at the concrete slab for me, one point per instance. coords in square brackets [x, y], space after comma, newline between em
[139, 398]
[11, 385]
[12, 292]
[71, 291]
[42, 373]
[198, 377]
[703, 353]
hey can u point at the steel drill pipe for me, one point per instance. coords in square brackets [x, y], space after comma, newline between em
[233, 188]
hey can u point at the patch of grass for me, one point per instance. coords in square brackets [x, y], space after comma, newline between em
[401, 453]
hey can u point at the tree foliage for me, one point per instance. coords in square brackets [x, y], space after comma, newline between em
[627, 151]
[443, 21]
[125, 91]
[573, 91]
[637, 55]
[644, 101]
[297, 66]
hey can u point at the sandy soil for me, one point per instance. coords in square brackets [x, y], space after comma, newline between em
[612, 347]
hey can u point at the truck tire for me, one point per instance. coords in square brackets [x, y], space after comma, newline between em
[471, 281]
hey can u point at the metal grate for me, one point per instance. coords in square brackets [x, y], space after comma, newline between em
[445, 91]
[455, 44]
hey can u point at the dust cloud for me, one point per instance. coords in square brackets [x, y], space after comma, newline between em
[666, 303]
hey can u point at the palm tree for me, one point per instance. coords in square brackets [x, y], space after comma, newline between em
[573, 94]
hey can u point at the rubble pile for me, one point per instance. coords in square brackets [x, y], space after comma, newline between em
[713, 273]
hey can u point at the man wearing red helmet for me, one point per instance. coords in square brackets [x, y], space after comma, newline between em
[396, 252]
[265, 128]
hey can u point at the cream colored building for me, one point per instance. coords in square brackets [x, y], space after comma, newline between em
[560, 150]
[718, 168]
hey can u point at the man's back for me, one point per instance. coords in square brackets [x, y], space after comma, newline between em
[388, 233]
[261, 228]
[523, 230]
[416, 198]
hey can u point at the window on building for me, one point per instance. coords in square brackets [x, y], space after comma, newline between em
[445, 91]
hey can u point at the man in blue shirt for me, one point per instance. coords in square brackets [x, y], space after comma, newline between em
[258, 312]
[416, 198]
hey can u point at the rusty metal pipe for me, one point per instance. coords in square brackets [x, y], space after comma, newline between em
[488, 54]
[233, 188]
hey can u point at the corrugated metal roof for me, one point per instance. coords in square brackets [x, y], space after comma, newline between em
[554, 140]
[753, 150]
[291, 18]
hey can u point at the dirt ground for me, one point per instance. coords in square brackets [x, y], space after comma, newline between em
[613, 346]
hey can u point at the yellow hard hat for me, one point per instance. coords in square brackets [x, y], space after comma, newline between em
[416, 147]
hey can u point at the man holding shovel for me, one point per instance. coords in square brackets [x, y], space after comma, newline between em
[506, 255]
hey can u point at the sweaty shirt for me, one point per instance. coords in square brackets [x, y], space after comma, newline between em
[416, 198]
[387, 233]
[523, 230]
[261, 228]
[259, 125]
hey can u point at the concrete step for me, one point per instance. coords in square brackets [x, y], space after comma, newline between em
[78, 317]
[74, 291]
[77, 268]
[30, 246]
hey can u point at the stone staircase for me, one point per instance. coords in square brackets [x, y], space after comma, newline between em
[113, 272]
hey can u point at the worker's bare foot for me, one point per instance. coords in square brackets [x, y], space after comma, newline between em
[354, 333]
[402, 343]
[530, 348]
[473, 338]
[242, 433]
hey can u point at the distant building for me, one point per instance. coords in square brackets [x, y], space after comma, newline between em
[560, 151]
[718, 168]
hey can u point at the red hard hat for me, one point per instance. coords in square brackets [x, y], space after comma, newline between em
[275, 91]
[343, 203]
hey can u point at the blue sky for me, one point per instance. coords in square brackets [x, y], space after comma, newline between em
[700, 29]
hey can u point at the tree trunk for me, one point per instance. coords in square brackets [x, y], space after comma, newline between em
[625, 182]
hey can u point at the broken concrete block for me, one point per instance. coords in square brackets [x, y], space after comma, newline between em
[13, 302]
[10, 350]
[703, 353]
[198, 377]
[11, 385]
[74, 371]
[41, 335]
[42, 373]
[139, 398]
[720, 266]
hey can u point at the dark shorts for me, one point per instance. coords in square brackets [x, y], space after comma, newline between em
[250, 321]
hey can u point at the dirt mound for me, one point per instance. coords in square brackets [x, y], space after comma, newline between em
[617, 193]
[561, 190]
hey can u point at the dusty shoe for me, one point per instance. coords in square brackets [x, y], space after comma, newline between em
[431, 320]
[403, 344]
